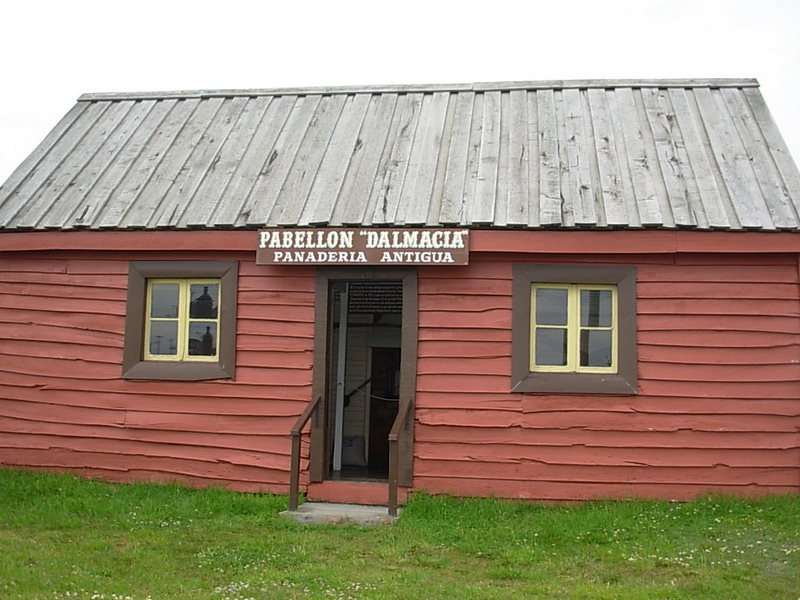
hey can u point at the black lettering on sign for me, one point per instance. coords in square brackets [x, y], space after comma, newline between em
[376, 297]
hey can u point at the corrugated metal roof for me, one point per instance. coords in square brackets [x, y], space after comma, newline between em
[558, 154]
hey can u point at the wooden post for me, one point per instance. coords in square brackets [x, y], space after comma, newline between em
[341, 364]
[400, 421]
[392, 501]
[294, 474]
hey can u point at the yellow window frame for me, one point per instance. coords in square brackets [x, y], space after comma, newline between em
[183, 320]
[574, 329]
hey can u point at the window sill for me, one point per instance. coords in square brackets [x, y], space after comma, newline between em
[166, 370]
[576, 383]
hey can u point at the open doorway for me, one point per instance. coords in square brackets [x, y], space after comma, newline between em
[365, 359]
[365, 341]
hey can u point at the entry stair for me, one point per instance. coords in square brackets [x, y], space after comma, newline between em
[346, 502]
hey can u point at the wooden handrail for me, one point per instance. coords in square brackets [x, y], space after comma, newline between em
[294, 473]
[400, 422]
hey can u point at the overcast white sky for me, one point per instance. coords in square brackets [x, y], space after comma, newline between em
[51, 52]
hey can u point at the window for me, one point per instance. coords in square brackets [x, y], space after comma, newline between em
[574, 329]
[181, 320]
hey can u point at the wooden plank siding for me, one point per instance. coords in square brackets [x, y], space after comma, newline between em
[718, 407]
[63, 404]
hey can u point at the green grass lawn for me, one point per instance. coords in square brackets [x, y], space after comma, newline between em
[64, 538]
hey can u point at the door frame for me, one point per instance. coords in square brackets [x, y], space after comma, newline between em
[318, 455]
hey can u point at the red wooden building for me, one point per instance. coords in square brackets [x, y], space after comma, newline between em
[570, 289]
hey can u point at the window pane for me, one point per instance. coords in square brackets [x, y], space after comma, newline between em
[551, 306]
[595, 308]
[204, 301]
[164, 337]
[595, 348]
[164, 300]
[551, 347]
[202, 338]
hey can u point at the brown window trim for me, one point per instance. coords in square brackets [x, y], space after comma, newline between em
[133, 366]
[524, 380]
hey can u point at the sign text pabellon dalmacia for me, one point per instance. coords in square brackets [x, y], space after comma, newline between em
[363, 247]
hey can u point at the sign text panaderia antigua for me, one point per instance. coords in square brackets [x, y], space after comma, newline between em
[363, 247]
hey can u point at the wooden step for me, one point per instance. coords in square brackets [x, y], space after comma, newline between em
[370, 493]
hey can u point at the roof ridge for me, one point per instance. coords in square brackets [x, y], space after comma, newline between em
[427, 88]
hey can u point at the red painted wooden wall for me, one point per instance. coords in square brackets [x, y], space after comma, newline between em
[718, 408]
[719, 383]
[63, 404]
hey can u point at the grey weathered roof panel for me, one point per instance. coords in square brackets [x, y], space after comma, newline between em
[696, 154]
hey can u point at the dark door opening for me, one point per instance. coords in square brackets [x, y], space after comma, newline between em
[384, 400]
[364, 376]
[369, 317]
